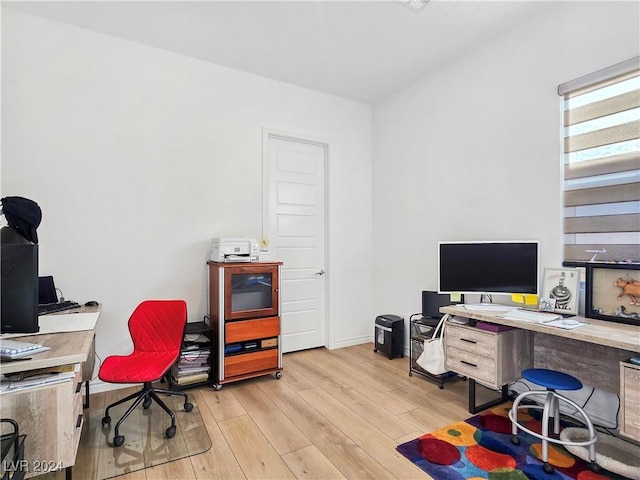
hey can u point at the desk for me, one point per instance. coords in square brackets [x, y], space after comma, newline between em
[592, 352]
[51, 415]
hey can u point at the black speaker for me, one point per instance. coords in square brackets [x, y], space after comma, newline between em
[18, 283]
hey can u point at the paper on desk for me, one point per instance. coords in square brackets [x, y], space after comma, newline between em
[566, 324]
[64, 322]
[8, 386]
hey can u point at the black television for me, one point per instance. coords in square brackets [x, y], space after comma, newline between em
[488, 267]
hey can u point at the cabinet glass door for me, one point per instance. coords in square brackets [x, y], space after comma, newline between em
[252, 292]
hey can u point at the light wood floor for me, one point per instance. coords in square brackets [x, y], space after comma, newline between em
[334, 414]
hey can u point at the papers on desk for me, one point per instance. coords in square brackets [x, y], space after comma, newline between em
[550, 319]
[64, 322]
[530, 316]
[14, 382]
[565, 323]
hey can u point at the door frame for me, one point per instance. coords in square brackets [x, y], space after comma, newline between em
[268, 134]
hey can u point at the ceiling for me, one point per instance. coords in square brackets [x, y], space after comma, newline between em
[360, 50]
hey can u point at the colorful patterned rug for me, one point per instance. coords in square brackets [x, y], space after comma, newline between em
[480, 447]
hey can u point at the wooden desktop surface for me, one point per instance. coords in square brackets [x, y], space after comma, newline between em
[65, 348]
[599, 332]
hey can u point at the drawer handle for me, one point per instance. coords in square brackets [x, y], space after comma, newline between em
[79, 421]
[469, 363]
[468, 341]
[78, 387]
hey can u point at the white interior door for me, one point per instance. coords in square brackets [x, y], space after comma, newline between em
[294, 224]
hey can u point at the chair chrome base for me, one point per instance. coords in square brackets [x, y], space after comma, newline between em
[551, 409]
[146, 395]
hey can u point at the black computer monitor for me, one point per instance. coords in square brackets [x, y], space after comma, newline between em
[47, 290]
[432, 301]
[18, 283]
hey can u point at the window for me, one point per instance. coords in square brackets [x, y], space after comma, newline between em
[602, 164]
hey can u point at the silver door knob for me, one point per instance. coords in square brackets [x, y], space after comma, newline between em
[321, 272]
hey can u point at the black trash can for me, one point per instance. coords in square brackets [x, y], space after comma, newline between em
[389, 335]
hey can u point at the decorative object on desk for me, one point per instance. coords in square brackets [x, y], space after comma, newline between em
[144, 448]
[613, 292]
[562, 285]
[480, 447]
[432, 357]
[547, 304]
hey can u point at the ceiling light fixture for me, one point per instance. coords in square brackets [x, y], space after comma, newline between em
[415, 5]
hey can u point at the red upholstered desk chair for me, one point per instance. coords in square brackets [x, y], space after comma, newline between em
[157, 329]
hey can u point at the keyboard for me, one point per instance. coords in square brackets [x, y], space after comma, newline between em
[57, 307]
[530, 316]
[12, 349]
[489, 307]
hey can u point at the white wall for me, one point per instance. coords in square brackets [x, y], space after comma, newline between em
[138, 157]
[473, 152]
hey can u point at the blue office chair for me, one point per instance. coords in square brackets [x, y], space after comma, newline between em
[552, 380]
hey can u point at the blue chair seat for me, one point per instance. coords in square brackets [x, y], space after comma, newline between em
[551, 379]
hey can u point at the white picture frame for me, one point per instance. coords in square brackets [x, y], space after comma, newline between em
[562, 285]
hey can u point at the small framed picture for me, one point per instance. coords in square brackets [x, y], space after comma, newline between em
[563, 286]
[613, 292]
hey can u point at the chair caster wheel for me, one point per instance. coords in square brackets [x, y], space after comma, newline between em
[106, 421]
[188, 406]
[146, 404]
[547, 468]
[515, 440]
[170, 432]
[118, 441]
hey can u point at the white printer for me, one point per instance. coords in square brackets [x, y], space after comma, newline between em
[234, 249]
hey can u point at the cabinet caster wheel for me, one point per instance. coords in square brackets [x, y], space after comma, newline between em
[106, 421]
[515, 440]
[547, 468]
[118, 441]
[146, 404]
[278, 375]
[411, 374]
[217, 387]
[188, 406]
[170, 432]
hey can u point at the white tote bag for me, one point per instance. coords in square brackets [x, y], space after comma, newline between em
[432, 357]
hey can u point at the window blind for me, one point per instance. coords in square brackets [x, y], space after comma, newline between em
[602, 165]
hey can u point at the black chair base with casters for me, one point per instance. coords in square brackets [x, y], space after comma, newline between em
[146, 395]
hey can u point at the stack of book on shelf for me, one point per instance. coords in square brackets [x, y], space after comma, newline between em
[193, 366]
